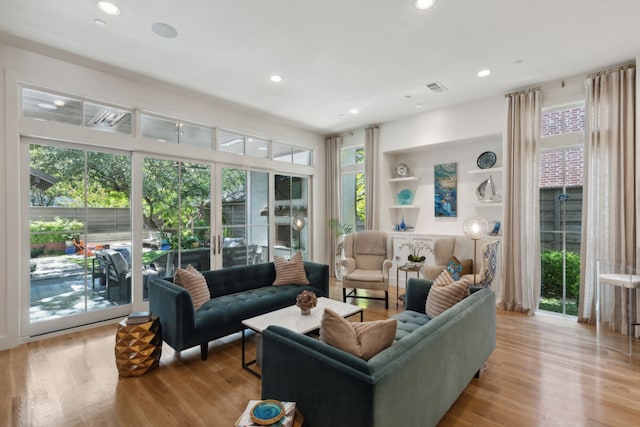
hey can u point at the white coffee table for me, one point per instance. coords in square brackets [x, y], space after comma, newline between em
[291, 318]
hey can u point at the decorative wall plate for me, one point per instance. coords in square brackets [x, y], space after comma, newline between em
[402, 170]
[486, 160]
[267, 412]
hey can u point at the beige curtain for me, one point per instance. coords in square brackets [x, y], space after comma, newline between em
[608, 212]
[371, 200]
[333, 194]
[520, 288]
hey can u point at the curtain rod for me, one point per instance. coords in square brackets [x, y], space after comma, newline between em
[613, 70]
[520, 92]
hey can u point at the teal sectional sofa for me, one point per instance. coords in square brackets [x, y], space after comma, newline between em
[412, 383]
[237, 293]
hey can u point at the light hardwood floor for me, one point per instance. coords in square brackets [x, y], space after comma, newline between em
[545, 371]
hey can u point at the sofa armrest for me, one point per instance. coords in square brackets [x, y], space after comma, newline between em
[318, 275]
[288, 357]
[416, 295]
[173, 305]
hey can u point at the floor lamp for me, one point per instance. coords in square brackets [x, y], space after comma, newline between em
[474, 228]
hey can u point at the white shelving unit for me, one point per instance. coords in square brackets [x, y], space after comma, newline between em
[485, 171]
[404, 179]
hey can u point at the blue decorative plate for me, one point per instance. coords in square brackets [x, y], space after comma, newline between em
[267, 412]
[486, 160]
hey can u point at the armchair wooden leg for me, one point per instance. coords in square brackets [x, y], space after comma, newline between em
[344, 294]
[386, 299]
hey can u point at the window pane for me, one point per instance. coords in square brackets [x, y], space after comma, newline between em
[257, 147]
[301, 156]
[353, 202]
[282, 152]
[162, 130]
[194, 135]
[352, 156]
[108, 119]
[55, 108]
[231, 142]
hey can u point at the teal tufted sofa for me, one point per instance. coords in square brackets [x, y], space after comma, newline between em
[237, 293]
[412, 383]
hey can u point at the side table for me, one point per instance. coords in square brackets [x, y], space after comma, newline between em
[138, 347]
[406, 268]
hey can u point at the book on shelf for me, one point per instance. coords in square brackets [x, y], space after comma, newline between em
[286, 421]
[138, 317]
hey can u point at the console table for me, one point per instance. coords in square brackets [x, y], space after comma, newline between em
[629, 282]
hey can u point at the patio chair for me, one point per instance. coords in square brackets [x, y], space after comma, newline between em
[118, 274]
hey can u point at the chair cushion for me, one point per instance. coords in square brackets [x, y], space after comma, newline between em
[195, 283]
[362, 339]
[366, 275]
[290, 272]
[441, 298]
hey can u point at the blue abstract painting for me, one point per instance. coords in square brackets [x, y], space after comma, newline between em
[446, 190]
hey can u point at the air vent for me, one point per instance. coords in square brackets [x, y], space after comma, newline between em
[436, 87]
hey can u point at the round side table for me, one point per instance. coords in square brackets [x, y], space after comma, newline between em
[138, 347]
[406, 268]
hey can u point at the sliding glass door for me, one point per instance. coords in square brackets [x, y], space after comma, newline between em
[79, 206]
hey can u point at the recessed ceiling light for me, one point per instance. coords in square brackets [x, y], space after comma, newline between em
[276, 78]
[484, 73]
[58, 103]
[164, 30]
[99, 22]
[47, 106]
[424, 4]
[518, 62]
[354, 111]
[108, 8]
[419, 105]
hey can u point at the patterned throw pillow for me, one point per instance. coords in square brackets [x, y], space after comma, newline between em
[290, 272]
[195, 283]
[458, 269]
[362, 339]
[441, 298]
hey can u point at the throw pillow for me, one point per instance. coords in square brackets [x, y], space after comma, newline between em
[361, 339]
[441, 298]
[290, 272]
[445, 279]
[195, 283]
[458, 269]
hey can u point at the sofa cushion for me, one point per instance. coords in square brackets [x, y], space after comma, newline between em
[362, 339]
[290, 272]
[195, 283]
[441, 298]
[444, 279]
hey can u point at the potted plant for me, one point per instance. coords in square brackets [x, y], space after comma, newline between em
[416, 247]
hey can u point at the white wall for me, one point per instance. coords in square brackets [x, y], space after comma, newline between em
[458, 134]
[82, 78]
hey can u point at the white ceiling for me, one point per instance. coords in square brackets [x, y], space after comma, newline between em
[335, 55]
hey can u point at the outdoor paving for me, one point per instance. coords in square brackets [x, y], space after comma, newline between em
[58, 290]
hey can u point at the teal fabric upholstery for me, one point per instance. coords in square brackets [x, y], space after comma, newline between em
[412, 383]
[237, 293]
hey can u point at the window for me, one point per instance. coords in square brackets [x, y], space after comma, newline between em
[174, 131]
[561, 179]
[353, 187]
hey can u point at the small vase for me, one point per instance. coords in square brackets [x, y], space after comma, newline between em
[305, 311]
[403, 225]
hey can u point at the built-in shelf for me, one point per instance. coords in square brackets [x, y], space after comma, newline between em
[404, 179]
[482, 171]
[404, 206]
[488, 204]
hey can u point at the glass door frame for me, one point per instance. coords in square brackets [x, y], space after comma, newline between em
[29, 328]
